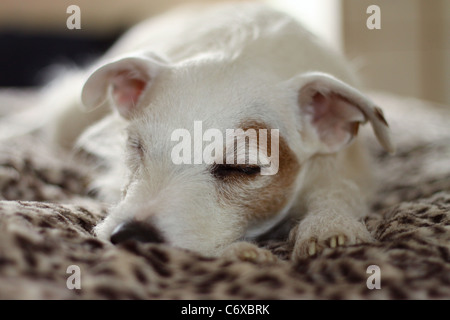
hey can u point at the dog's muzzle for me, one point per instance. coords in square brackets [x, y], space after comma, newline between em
[137, 231]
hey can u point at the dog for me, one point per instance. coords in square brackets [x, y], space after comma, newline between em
[234, 65]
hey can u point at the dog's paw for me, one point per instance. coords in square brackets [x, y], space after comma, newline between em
[245, 251]
[312, 236]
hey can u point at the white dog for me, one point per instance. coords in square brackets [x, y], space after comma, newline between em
[240, 65]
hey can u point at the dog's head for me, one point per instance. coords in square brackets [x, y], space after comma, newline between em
[185, 184]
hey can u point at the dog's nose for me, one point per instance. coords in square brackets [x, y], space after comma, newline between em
[138, 231]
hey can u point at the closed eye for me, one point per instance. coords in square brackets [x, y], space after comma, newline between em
[223, 171]
[136, 145]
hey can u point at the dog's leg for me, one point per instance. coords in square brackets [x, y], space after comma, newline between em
[69, 122]
[334, 207]
[59, 112]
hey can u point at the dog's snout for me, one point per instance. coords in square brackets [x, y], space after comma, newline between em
[138, 231]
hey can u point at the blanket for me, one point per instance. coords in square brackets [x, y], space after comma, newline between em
[48, 249]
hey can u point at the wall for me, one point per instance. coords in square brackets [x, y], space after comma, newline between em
[409, 55]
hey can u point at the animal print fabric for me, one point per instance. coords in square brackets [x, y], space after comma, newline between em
[46, 222]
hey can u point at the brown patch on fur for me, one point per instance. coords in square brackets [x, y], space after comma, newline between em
[261, 197]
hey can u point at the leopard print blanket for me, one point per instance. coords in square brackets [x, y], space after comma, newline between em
[46, 222]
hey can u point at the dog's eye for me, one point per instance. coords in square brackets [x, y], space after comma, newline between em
[222, 171]
[136, 145]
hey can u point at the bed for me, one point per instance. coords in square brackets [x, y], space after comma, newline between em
[47, 218]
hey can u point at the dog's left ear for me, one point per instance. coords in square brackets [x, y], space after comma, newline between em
[121, 83]
[334, 110]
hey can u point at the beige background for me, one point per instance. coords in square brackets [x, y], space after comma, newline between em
[410, 55]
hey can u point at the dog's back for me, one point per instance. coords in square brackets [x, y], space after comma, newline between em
[250, 34]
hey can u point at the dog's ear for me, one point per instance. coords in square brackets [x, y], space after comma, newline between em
[335, 110]
[121, 82]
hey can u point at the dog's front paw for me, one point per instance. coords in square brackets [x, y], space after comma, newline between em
[315, 234]
[245, 251]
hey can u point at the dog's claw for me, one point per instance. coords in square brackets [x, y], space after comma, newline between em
[312, 250]
[249, 255]
[333, 242]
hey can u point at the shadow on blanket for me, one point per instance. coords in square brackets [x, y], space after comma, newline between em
[46, 223]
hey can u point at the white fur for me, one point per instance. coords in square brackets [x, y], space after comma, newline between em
[222, 65]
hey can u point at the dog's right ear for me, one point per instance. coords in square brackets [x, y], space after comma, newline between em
[121, 82]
